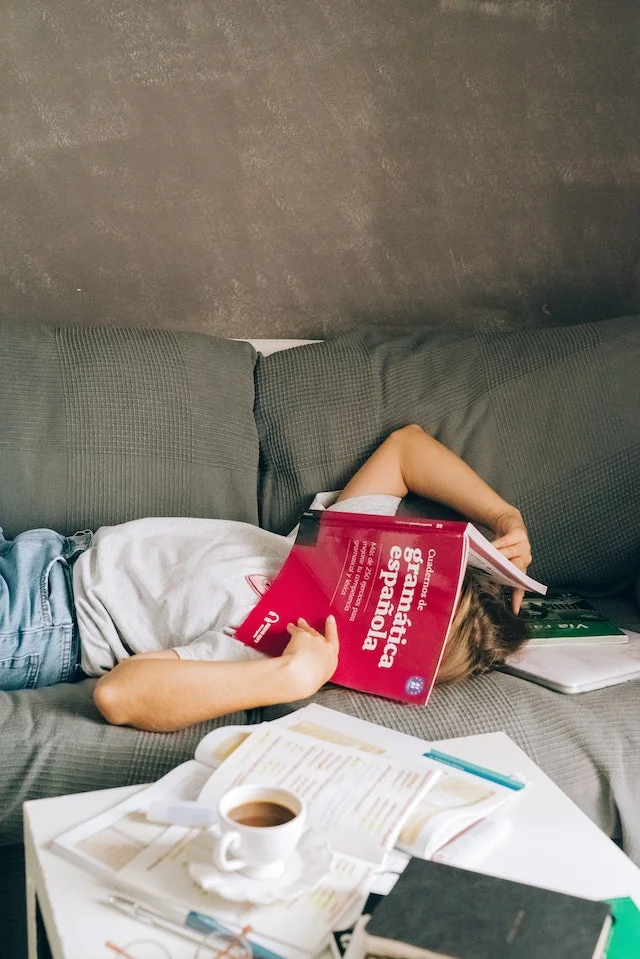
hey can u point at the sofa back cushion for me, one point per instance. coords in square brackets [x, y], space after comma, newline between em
[103, 425]
[549, 417]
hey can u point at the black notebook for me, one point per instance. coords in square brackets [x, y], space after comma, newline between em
[440, 910]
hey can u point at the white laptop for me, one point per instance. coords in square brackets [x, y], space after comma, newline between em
[578, 669]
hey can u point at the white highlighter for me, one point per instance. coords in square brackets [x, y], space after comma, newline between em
[181, 813]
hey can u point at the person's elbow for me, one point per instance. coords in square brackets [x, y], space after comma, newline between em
[111, 700]
[408, 433]
[402, 440]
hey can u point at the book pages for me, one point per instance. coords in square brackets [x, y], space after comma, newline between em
[110, 841]
[483, 555]
[357, 801]
[455, 801]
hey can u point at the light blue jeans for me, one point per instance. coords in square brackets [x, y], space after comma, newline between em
[39, 642]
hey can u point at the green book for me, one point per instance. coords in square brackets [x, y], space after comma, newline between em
[564, 619]
[624, 942]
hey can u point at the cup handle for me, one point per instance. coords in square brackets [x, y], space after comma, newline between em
[221, 848]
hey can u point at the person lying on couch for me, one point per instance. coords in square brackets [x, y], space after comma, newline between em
[150, 605]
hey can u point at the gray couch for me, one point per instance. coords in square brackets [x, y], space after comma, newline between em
[131, 422]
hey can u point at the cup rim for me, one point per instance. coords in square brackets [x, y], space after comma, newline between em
[275, 794]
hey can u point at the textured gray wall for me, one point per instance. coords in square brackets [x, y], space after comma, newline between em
[297, 167]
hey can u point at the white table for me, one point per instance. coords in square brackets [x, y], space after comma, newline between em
[553, 844]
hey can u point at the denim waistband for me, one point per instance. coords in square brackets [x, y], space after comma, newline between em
[39, 640]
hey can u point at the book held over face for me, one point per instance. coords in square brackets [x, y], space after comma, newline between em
[393, 583]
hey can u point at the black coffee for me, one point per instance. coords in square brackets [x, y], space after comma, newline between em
[261, 812]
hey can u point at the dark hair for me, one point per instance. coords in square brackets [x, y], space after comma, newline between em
[484, 630]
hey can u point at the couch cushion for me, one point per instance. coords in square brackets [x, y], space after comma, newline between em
[104, 425]
[549, 417]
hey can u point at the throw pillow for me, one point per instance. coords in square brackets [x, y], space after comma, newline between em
[101, 425]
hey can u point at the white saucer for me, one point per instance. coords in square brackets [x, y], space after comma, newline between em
[306, 865]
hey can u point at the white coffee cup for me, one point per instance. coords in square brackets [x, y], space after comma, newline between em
[258, 829]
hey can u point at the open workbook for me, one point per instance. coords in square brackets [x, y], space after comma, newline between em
[393, 584]
[367, 788]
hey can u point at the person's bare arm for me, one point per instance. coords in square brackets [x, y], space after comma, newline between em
[161, 692]
[410, 460]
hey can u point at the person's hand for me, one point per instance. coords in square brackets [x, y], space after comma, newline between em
[512, 540]
[312, 657]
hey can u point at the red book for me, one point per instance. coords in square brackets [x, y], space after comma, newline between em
[393, 585]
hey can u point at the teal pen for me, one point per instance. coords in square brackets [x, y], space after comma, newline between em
[481, 771]
[181, 921]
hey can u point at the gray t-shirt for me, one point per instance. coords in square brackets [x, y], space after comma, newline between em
[182, 584]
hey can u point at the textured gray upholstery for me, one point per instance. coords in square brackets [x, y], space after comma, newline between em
[54, 742]
[550, 418]
[103, 425]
